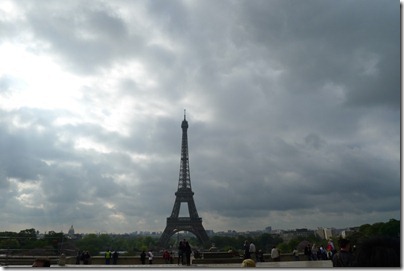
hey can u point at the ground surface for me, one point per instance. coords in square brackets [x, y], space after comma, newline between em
[286, 264]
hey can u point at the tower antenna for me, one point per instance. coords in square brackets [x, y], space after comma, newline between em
[185, 114]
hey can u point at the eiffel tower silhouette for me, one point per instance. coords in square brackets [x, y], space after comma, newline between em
[193, 223]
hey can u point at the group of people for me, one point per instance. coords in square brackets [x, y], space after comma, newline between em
[149, 256]
[184, 251]
[372, 252]
[250, 252]
[314, 253]
[83, 257]
[167, 256]
[184, 254]
[109, 255]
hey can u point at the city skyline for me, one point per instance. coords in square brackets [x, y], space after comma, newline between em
[210, 232]
[293, 110]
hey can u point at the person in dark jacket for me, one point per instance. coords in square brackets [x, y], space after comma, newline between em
[307, 252]
[188, 251]
[246, 248]
[143, 257]
[115, 256]
[343, 258]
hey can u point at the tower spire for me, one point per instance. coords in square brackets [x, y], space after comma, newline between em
[185, 114]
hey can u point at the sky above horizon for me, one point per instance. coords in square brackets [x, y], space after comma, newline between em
[293, 110]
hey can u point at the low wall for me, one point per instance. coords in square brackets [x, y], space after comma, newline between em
[207, 258]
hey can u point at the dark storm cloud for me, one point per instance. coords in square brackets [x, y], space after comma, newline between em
[293, 110]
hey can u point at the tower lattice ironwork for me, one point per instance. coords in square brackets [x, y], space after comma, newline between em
[175, 223]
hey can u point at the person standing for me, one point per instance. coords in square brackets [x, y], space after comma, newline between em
[87, 258]
[329, 249]
[143, 257]
[181, 253]
[150, 255]
[171, 257]
[166, 256]
[82, 256]
[78, 256]
[188, 251]
[115, 257]
[295, 253]
[343, 258]
[246, 248]
[314, 250]
[252, 251]
[307, 252]
[107, 257]
[276, 257]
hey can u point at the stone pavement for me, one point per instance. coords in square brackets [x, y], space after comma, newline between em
[286, 264]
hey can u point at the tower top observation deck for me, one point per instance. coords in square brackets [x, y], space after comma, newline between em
[184, 123]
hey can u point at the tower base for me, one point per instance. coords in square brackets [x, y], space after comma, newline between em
[174, 225]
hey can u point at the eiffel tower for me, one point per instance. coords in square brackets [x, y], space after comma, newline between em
[193, 223]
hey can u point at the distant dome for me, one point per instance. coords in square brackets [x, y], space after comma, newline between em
[71, 230]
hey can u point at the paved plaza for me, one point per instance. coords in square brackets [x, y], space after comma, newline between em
[286, 264]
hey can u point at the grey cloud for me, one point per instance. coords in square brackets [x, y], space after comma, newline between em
[85, 38]
[292, 109]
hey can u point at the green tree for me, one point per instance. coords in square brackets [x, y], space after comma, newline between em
[391, 228]
[27, 238]
[90, 243]
[266, 241]
[28, 233]
[9, 243]
[365, 229]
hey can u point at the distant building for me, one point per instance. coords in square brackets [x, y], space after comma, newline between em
[287, 235]
[268, 229]
[210, 232]
[328, 233]
[348, 231]
[70, 233]
[324, 233]
[276, 231]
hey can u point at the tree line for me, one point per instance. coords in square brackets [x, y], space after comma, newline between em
[53, 243]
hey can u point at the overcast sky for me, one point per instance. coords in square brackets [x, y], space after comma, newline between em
[293, 110]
